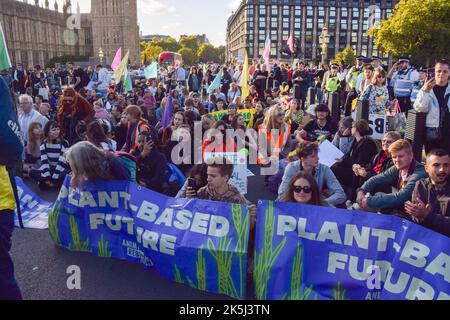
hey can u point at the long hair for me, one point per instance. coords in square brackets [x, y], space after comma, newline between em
[96, 134]
[216, 125]
[50, 125]
[316, 197]
[33, 140]
[272, 114]
[88, 163]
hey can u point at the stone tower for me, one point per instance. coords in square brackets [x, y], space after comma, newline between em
[114, 25]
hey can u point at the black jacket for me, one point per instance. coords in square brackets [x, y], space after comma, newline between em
[152, 170]
[387, 163]
[361, 153]
[439, 217]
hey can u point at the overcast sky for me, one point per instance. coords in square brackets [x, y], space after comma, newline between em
[175, 17]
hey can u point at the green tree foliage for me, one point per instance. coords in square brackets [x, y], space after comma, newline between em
[151, 53]
[207, 53]
[221, 53]
[189, 42]
[420, 28]
[347, 55]
[169, 44]
[189, 56]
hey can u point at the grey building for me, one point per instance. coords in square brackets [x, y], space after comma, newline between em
[347, 22]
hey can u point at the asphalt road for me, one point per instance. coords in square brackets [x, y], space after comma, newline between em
[40, 267]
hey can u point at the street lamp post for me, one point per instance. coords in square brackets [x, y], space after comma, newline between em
[101, 55]
[324, 41]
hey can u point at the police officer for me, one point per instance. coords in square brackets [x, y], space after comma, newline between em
[402, 82]
[331, 82]
[423, 73]
[376, 63]
[353, 77]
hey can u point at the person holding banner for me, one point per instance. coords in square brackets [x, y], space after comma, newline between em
[430, 205]
[402, 177]
[89, 163]
[303, 189]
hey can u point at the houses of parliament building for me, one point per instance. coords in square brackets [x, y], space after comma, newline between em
[38, 31]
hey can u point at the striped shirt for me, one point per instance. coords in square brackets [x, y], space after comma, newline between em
[54, 165]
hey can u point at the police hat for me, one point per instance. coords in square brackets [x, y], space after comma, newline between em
[422, 69]
[403, 59]
[334, 65]
[360, 58]
[376, 58]
[367, 61]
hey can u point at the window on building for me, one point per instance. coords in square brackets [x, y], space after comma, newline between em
[321, 12]
[344, 12]
[309, 23]
[286, 11]
[274, 10]
[262, 10]
[298, 12]
[309, 11]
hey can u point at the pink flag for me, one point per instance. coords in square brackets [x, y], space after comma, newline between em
[266, 53]
[290, 42]
[117, 59]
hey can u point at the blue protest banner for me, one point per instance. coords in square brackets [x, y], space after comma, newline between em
[315, 253]
[202, 244]
[34, 210]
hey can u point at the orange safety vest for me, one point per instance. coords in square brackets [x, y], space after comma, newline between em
[141, 123]
[276, 146]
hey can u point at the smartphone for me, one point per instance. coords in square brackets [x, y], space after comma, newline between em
[431, 74]
[192, 184]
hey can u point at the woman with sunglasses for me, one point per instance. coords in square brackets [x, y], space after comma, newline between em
[304, 189]
[377, 93]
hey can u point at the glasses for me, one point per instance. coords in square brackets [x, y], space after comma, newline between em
[387, 141]
[381, 77]
[281, 115]
[298, 189]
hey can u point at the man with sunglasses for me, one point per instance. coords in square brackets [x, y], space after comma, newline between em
[308, 152]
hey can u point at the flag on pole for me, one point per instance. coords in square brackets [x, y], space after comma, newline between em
[290, 42]
[168, 110]
[5, 61]
[267, 46]
[216, 83]
[151, 72]
[120, 71]
[127, 85]
[117, 59]
[244, 79]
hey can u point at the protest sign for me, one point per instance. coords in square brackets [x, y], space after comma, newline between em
[248, 115]
[378, 123]
[202, 244]
[240, 172]
[33, 209]
[329, 154]
[316, 253]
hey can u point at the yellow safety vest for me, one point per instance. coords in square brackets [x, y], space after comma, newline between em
[333, 84]
[7, 199]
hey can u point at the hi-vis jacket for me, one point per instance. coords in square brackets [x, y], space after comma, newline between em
[403, 82]
[275, 147]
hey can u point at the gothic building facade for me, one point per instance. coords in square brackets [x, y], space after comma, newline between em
[38, 31]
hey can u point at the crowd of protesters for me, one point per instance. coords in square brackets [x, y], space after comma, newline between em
[103, 132]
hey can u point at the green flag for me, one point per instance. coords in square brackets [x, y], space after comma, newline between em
[5, 62]
[127, 85]
[151, 72]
